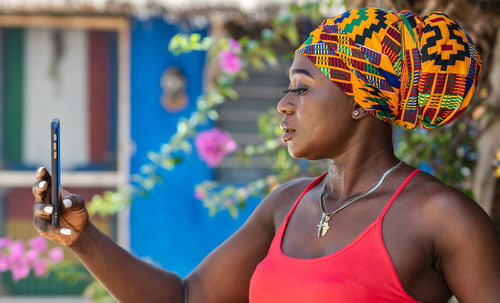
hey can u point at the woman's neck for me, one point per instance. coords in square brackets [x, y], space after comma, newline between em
[361, 165]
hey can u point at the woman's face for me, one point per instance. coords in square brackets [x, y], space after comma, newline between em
[317, 115]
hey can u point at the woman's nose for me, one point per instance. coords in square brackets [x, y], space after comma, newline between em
[286, 106]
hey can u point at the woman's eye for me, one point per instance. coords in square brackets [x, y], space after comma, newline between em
[299, 91]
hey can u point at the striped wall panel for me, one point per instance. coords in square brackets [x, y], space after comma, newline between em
[55, 82]
[68, 74]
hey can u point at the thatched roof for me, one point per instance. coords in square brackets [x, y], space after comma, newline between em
[139, 7]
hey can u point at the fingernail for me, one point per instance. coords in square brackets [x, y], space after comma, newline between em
[67, 203]
[48, 209]
[39, 170]
[65, 231]
[42, 184]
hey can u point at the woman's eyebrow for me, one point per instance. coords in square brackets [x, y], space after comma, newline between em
[301, 71]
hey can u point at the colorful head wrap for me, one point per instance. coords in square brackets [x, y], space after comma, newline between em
[403, 69]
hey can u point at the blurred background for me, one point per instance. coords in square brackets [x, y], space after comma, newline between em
[169, 127]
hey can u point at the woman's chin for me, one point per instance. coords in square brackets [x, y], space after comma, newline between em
[294, 152]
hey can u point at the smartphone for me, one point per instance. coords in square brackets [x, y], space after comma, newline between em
[55, 152]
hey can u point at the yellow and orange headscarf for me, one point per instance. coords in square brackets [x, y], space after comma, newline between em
[401, 68]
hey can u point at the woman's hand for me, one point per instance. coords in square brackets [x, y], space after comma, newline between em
[74, 215]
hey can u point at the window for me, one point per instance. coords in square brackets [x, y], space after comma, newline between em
[76, 69]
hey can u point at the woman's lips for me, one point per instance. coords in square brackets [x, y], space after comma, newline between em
[288, 132]
[287, 135]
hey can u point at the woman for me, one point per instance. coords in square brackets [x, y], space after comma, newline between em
[371, 229]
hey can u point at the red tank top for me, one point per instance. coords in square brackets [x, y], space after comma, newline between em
[362, 271]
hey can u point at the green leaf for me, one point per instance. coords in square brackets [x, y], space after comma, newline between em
[213, 115]
[292, 34]
[182, 43]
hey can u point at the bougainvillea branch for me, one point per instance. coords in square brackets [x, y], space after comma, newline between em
[235, 58]
[429, 150]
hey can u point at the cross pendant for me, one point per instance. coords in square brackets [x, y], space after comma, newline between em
[323, 225]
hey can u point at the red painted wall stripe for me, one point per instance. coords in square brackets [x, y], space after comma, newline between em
[99, 95]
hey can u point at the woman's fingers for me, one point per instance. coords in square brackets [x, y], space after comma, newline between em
[74, 216]
[45, 228]
[42, 210]
[41, 186]
[72, 201]
[39, 190]
[41, 172]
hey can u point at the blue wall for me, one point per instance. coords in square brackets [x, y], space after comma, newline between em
[170, 226]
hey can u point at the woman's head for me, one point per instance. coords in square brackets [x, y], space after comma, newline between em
[399, 67]
[320, 120]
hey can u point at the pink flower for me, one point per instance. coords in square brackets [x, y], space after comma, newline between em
[213, 145]
[230, 62]
[16, 249]
[4, 263]
[38, 243]
[199, 194]
[19, 259]
[31, 256]
[40, 267]
[234, 46]
[229, 201]
[4, 242]
[19, 271]
[56, 255]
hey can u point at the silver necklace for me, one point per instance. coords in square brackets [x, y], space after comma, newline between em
[325, 217]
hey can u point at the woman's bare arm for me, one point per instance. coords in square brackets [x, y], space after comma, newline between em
[223, 276]
[128, 278]
[467, 246]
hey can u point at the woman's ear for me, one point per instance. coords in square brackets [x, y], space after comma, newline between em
[358, 112]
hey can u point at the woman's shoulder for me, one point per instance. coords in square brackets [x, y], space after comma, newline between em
[278, 202]
[293, 186]
[432, 192]
[287, 192]
[443, 207]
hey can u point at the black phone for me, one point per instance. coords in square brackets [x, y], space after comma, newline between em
[55, 138]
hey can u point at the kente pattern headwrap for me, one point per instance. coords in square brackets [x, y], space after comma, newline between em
[403, 69]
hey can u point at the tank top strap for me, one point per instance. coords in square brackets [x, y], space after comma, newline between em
[308, 188]
[398, 191]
